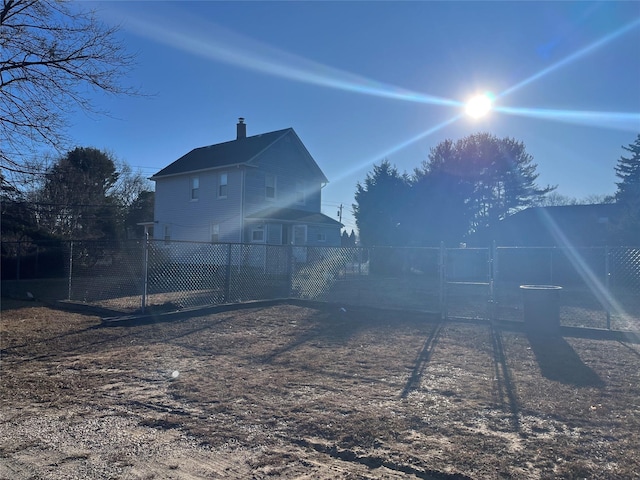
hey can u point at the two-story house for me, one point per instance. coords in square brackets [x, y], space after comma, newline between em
[260, 189]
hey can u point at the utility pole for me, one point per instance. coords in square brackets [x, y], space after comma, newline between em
[340, 213]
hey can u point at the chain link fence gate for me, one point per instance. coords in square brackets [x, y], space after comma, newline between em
[468, 283]
[601, 286]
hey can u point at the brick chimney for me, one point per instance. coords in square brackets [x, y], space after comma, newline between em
[242, 129]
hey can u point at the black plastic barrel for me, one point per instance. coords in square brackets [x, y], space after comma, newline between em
[541, 307]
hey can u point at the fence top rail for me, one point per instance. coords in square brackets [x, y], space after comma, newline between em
[396, 248]
[604, 247]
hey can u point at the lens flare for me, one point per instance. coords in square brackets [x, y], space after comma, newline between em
[207, 40]
[574, 56]
[214, 42]
[624, 121]
[479, 105]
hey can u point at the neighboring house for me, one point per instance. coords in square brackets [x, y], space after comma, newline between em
[559, 226]
[259, 189]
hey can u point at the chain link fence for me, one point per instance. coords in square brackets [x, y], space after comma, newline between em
[600, 286]
[28, 259]
[186, 275]
[400, 278]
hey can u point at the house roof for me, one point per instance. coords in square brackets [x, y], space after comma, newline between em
[580, 225]
[241, 151]
[561, 212]
[290, 215]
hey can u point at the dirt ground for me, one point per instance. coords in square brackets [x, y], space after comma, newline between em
[290, 391]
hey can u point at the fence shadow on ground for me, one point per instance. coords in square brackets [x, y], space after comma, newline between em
[558, 361]
[422, 360]
[506, 388]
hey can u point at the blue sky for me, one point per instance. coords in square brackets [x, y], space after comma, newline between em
[364, 81]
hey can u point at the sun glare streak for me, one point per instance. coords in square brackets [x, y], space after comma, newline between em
[613, 120]
[600, 291]
[205, 39]
[575, 56]
[397, 147]
[214, 42]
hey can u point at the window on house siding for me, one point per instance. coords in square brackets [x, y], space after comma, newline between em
[257, 234]
[270, 186]
[321, 237]
[215, 233]
[223, 186]
[195, 188]
[300, 192]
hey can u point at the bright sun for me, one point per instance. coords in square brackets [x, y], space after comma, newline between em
[479, 105]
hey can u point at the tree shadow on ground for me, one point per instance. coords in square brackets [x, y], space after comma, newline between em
[341, 326]
[558, 361]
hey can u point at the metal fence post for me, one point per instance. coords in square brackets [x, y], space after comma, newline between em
[70, 269]
[493, 269]
[145, 272]
[290, 269]
[18, 251]
[607, 283]
[442, 281]
[227, 276]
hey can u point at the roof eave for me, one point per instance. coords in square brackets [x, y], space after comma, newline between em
[191, 172]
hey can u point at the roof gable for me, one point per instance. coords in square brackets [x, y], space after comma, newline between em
[243, 151]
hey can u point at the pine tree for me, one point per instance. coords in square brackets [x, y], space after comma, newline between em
[628, 171]
[467, 187]
[627, 196]
[380, 208]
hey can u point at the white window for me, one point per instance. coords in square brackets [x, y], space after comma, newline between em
[257, 234]
[270, 187]
[300, 192]
[321, 237]
[215, 233]
[222, 185]
[195, 188]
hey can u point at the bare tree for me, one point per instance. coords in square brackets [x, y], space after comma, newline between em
[52, 54]
[555, 199]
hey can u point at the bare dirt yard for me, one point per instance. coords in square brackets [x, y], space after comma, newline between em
[304, 391]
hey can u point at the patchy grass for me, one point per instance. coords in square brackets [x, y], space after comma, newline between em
[296, 392]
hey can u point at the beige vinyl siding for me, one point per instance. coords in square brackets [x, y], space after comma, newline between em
[285, 160]
[191, 219]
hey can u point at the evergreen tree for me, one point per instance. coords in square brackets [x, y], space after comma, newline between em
[627, 229]
[77, 200]
[352, 238]
[628, 171]
[380, 208]
[468, 186]
[439, 199]
[344, 239]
